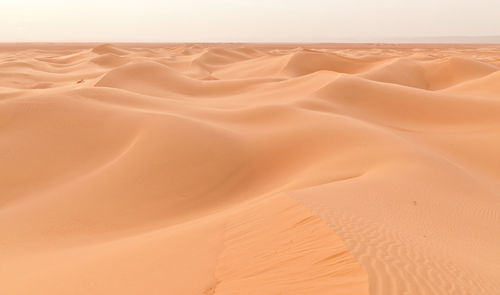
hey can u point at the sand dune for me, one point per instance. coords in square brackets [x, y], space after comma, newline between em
[249, 170]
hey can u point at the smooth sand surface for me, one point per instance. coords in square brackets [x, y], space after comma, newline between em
[249, 170]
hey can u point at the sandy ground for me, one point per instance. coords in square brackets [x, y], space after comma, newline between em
[249, 170]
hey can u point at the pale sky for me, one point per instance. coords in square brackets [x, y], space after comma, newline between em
[243, 20]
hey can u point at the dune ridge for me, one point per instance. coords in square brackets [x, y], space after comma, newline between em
[249, 170]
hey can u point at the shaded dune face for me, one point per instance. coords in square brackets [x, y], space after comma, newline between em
[200, 170]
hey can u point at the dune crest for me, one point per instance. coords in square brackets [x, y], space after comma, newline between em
[193, 169]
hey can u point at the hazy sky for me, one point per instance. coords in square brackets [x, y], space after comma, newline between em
[244, 20]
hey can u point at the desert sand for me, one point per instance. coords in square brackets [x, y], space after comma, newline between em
[231, 169]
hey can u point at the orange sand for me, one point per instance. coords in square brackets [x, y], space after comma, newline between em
[249, 170]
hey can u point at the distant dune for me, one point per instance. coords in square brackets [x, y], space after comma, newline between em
[257, 169]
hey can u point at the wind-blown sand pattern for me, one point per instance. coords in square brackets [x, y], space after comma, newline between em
[252, 170]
